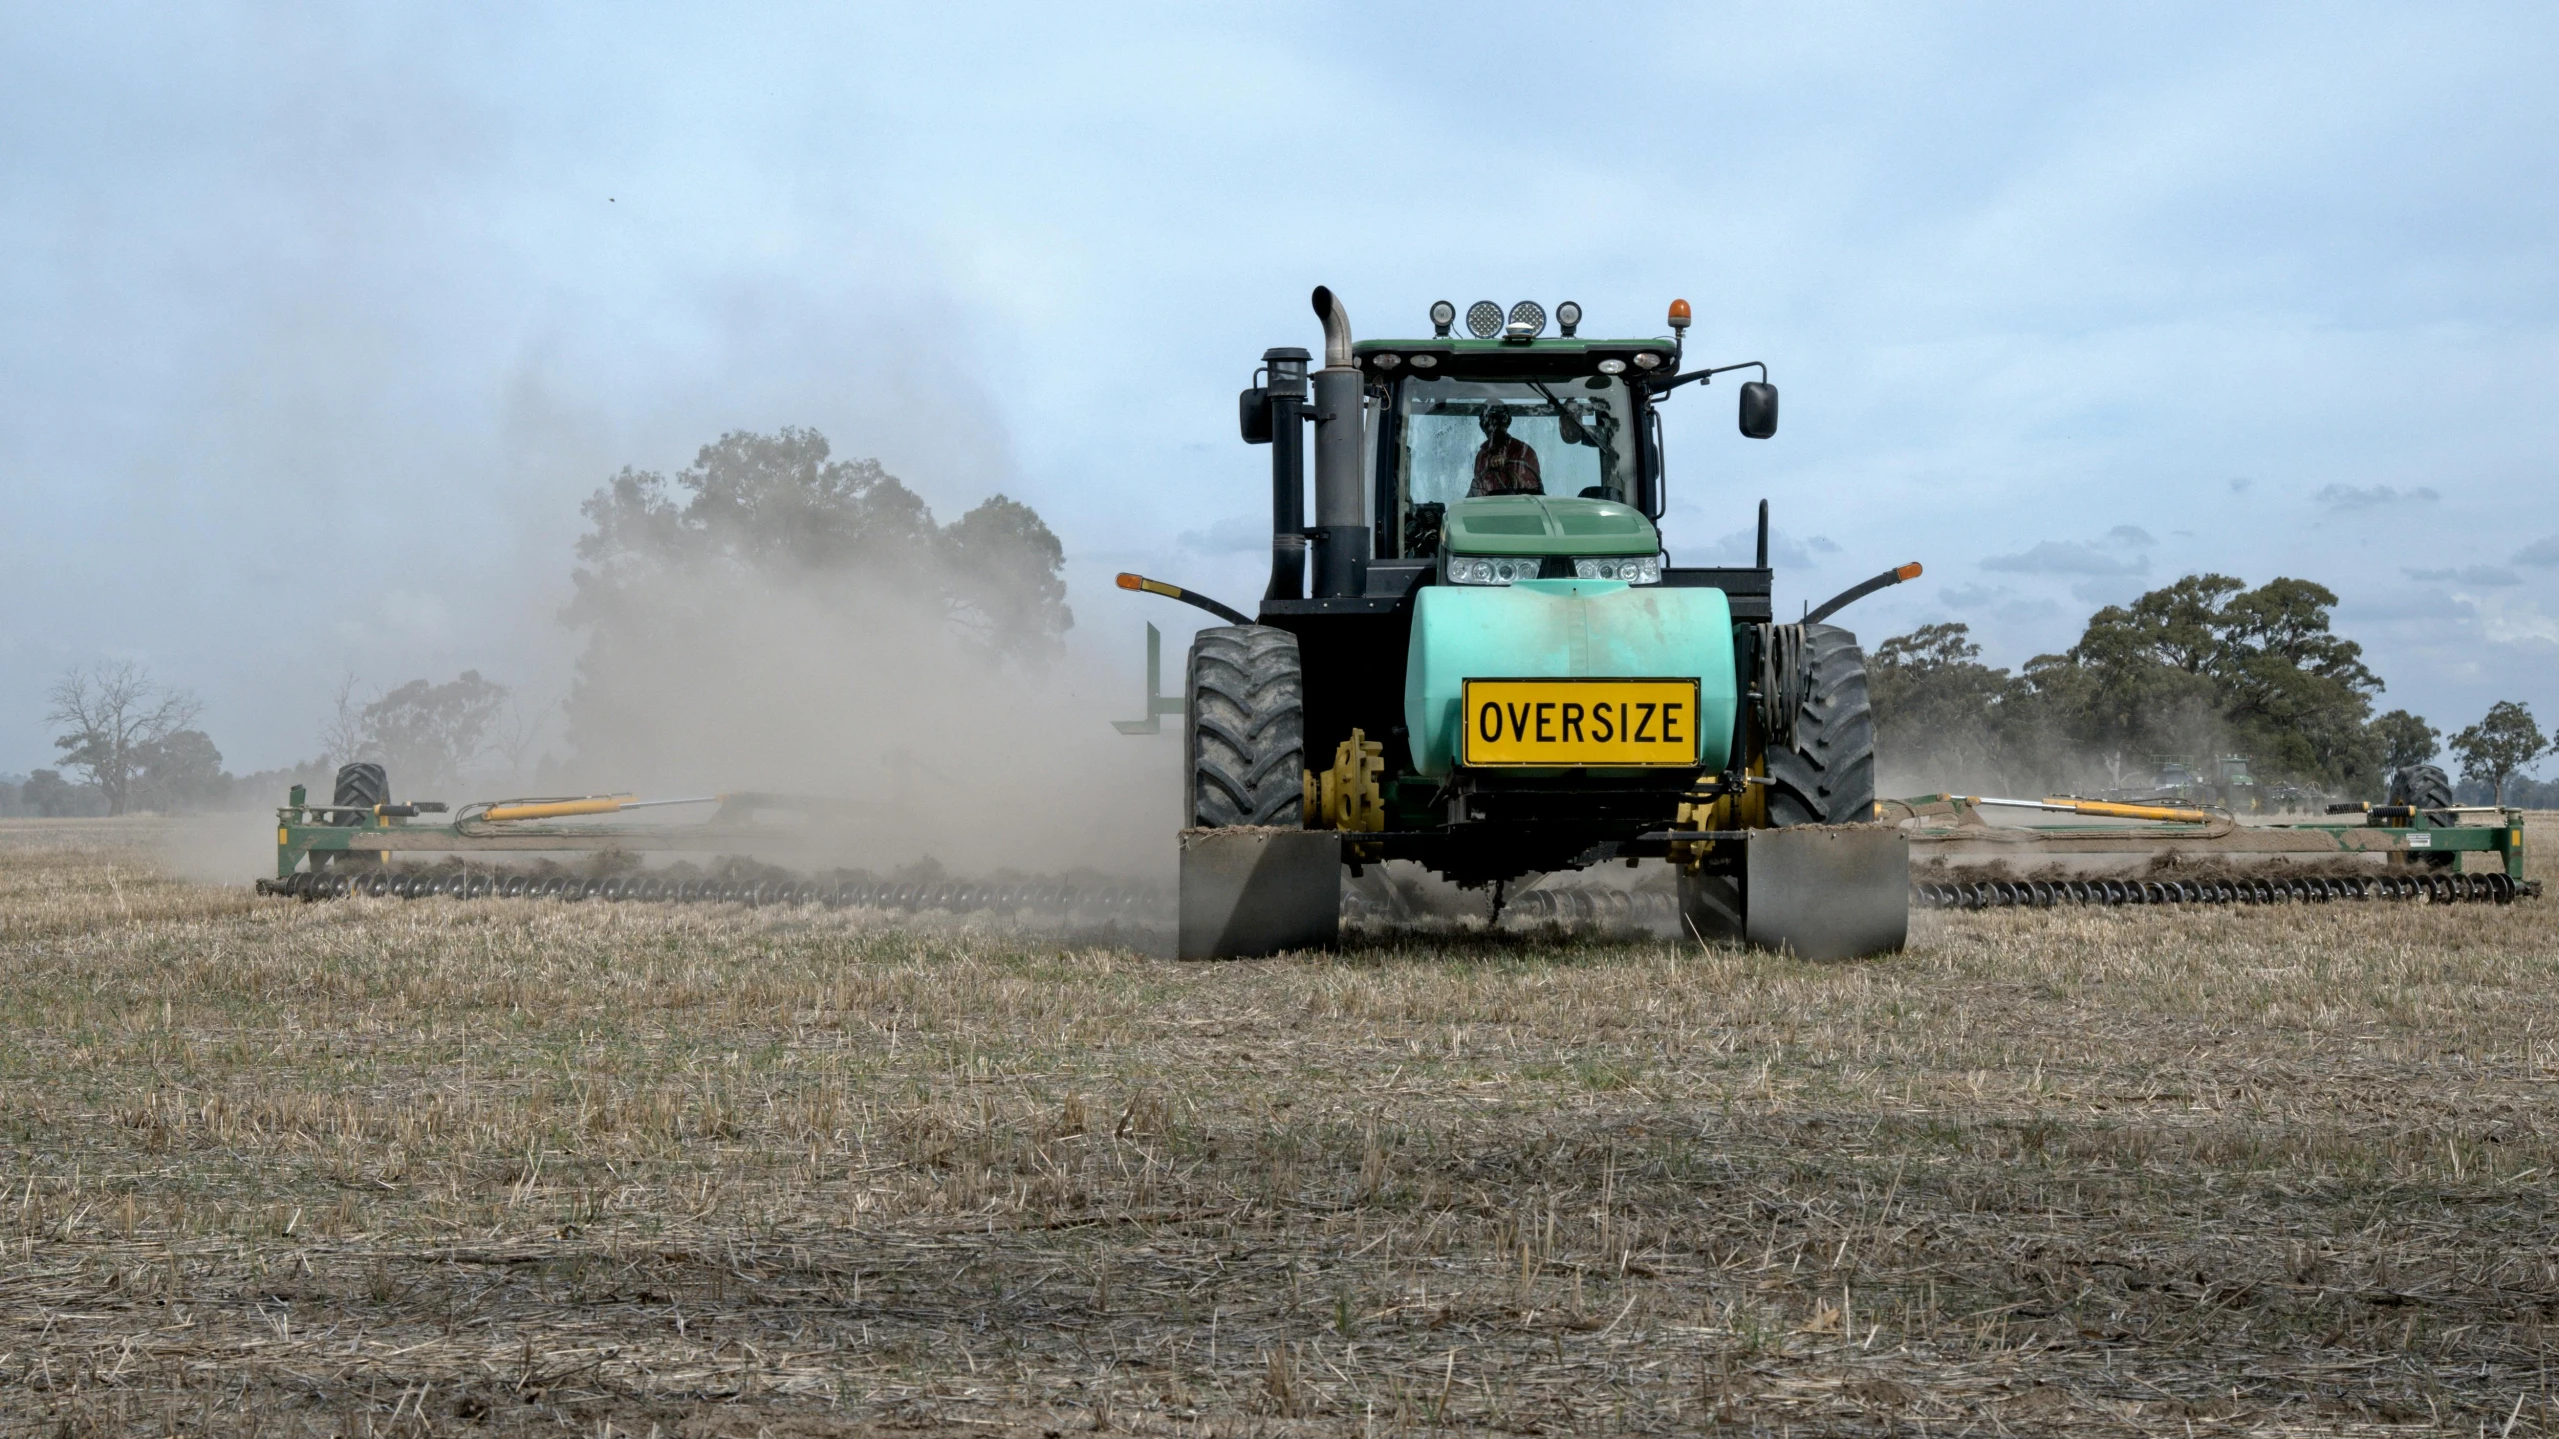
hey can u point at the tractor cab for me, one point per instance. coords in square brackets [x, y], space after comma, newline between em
[1514, 450]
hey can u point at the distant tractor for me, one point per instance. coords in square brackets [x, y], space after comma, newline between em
[1477, 657]
[2228, 784]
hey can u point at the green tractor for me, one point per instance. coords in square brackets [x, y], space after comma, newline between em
[1479, 659]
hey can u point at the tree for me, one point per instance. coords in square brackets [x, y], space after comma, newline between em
[2142, 677]
[2200, 666]
[1938, 709]
[2296, 693]
[1003, 574]
[51, 796]
[427, 734]
[777, 509]
[112, 714]
[178, 772]
[2503, 742]
[770, 600]
[2405, 740]
[2207, 663]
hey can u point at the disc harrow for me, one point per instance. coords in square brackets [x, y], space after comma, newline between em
[2490, 888]
[1039, 895]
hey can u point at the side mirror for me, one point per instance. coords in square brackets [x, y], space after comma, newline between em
[1759, 409]
[1253, 415]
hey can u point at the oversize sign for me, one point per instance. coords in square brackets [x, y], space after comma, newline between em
[1574, 723]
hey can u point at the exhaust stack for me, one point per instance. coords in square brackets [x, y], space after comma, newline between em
[1341, 500]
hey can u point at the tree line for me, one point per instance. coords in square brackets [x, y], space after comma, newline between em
[2200, 668]
[752, 515]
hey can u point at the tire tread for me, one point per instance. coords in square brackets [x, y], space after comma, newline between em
[1828, 775]
[1245, 719]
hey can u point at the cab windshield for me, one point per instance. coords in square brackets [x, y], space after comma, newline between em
[1569, 438]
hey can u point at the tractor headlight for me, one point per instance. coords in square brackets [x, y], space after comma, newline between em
[1633, 569]
[1468, 570]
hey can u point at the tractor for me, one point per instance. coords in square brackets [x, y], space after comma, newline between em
[1478, 657]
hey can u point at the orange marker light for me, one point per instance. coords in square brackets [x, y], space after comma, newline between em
[1129, 581]
[1909, 571]
[1679, 314]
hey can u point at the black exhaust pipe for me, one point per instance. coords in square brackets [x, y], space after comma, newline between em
[1342, 534]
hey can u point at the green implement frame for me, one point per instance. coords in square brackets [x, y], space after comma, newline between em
[1954, 828]
[744, 823]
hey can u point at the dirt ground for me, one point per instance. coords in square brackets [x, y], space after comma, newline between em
[375, 1167]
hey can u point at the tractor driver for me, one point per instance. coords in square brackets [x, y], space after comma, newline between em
[1504, 466]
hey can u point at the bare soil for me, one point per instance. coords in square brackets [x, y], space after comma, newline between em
[385, 1167]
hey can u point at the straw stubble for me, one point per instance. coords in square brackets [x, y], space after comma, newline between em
[516, 1167]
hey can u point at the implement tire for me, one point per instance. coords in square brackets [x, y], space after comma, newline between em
[362, 785]
[1826, 775]
[1245, 722]
[2424, 786]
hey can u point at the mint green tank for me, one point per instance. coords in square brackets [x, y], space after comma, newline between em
[1564, 629]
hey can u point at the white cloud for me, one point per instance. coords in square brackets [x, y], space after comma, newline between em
[1785, 551]
[2351, 497]
[1233, 535]
[2000, 603]
[2467, 575]
[2066, 557]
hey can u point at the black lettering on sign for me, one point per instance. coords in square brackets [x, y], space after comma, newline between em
[1488, 721]
[1545, 716]
[1670, 723]
[1644, 724]
[1603, 725]
[1573, 723]
[1519, 720]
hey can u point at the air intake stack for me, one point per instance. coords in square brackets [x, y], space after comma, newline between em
[1341, 500]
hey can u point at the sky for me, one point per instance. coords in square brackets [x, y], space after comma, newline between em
[321, 322]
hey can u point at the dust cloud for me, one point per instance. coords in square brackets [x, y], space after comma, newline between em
[884, 701]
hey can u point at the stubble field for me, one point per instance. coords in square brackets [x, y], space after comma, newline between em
[506, 1167]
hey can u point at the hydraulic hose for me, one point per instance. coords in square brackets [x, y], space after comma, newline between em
[1854, 593]
[1144, 585]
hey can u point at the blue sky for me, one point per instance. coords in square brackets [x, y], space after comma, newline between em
[321, 322]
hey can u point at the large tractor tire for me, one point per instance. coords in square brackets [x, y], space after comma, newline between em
[1246, 722]
[1824, 773]
[2424, 786]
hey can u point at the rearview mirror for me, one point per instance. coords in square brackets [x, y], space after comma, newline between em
[1568, 427]
[1759, 409]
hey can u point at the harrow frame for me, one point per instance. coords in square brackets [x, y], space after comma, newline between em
[323, 833]
[1951, 830]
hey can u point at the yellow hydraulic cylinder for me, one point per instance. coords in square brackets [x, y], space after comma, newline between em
[2110, 810]
[558, 808]
[2105, 809]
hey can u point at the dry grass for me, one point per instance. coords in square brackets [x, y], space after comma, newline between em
[376, 1167]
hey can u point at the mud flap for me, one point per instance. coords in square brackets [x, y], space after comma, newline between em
[1815, 891]
[1248, 892]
